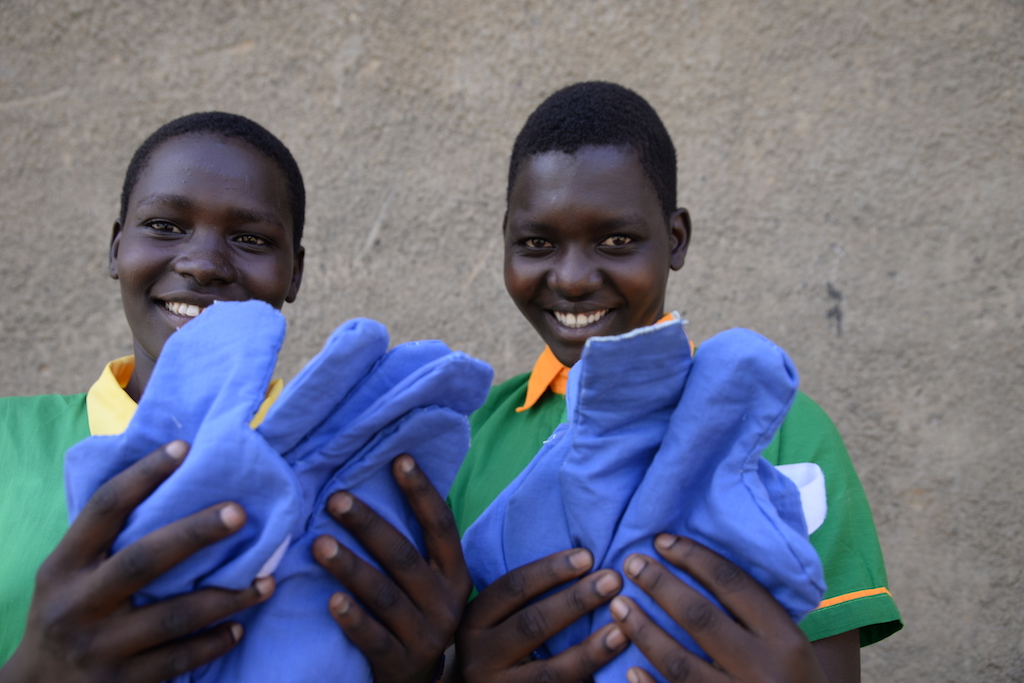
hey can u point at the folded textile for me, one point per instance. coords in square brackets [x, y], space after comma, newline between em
[337, 425]
[657, 441]
[205, 389]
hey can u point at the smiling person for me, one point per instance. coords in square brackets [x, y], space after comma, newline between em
[212, 209]
[592, 231]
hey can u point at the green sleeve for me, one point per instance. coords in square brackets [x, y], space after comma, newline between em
[35, 432]
[857, 596]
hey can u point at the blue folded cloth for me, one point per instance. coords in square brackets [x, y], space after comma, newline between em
[657, 441]
[206, 387]
[337, 425]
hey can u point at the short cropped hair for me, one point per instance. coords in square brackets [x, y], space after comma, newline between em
[227, 126]
[597, 113]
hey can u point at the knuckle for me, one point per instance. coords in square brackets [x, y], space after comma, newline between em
[728, 576]
[699, 615]
[549, 675]
[178, 661]
[513, 585]
[677, 667]
[385, 596]
[178, 621]
[107, 499]
[444, 523]
[531, 624]
[404, 557]
[135, 563]
[576, 600]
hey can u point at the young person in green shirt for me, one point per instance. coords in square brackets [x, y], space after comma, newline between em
[591, 232]
[212, 209]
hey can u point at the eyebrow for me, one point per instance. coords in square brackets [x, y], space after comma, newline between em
[239, 215]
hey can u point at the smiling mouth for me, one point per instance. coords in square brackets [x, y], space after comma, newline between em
[578, 320]
[184, 310]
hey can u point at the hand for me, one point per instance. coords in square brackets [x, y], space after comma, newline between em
[415, 607]
[500, 629]
[82, 625]
[762, 644]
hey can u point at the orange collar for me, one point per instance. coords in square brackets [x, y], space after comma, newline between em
[549, 373]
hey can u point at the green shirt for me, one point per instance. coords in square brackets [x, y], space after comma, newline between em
[505, 441]
[35, 432]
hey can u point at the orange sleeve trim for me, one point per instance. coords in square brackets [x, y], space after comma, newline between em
[853, 596]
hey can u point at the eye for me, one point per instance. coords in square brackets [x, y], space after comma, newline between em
[616, 241]
[537, 243]
[254, 240]
[164, 226]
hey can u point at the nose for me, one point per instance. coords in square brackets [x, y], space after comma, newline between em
[575, 275]
[204, 257]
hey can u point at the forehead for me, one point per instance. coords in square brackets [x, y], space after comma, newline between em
[604, 179]
[213, 170]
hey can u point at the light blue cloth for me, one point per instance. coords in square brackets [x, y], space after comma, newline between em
[337, 425]
[657, 441]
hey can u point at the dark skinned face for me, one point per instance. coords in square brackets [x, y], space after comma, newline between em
[587, 246]
[209, 220]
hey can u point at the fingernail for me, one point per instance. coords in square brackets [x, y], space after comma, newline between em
[328, 547]
[635, 565]
[341, 503]
[580, 559]
[237, 631]
[406, 464]
[607, 584]
[232, 516]
[615, 639]
[665, 541]
[619, 608]
[176, 450]
[633, 676]
[264, 586]
[340, 604]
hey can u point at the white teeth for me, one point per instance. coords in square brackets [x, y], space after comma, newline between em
[187, 310]
[577, 320]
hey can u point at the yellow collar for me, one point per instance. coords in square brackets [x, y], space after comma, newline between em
[549, 373]
[110, 408]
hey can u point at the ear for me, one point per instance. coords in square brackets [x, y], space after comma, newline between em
[115, 243]
[297, 264]
[679, 229]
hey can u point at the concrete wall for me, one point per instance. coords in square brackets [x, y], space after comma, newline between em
[862, 157]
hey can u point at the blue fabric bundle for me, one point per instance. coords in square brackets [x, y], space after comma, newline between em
[657, 441]
[337, 425]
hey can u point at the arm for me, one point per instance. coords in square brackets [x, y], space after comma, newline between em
[82, 625]
[502, 626]
[411, 612]
[759, 643]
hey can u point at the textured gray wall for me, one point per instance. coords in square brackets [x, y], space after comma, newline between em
[873, 147]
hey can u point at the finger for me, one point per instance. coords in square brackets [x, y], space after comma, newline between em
[516, 588]
[375, 642]
[440, 533]
[137, 565]
[380, 595]
[721, 637]
[583, 660]
[673, 660]
[747, 601]
[524, 631]
[104, 514]
[184, 615]
[393, 551]
[165, 663]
